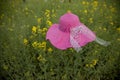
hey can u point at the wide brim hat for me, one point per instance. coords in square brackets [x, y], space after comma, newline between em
[69, 32]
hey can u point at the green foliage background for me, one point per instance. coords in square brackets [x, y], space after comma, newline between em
[37, 59]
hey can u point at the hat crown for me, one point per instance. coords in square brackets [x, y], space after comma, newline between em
[68, 21]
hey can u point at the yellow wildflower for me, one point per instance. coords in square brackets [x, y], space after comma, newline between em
[48, 16]
[50, 49]
[91, 20]
[47, 13]
[41, 59]
[44, 29]
[118, 39]
[26, 8]
[83, 2]
[112, 9]
[35, 16]
[71, 49]
[112, 23]
[31, 36]
[53, 10]
[39, 20]
[87, 3]
[100, 28]
[85, 11]
[34, 29]
[104, 29]
[95, 3]
[118, 29]
[104, 4]
[10, 29]
[42, 45]
[35, 44]
[53, 15]
[91, 65]
[25, 41]
[94, 62]
[5, 67]
[49, 23]
[87, 65]
[2, 16]
[26, 13]
[40, 30]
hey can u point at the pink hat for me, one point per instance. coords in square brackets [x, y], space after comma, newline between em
[70, 32]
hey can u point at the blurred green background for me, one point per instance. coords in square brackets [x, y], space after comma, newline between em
[26, 55]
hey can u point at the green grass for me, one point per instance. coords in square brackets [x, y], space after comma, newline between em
[37, 59]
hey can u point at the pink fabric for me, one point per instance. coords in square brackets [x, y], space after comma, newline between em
[59, 34]
[58, 38]
[82, 34]
[68, 21]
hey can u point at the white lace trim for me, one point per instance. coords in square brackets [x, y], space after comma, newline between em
[74, 37]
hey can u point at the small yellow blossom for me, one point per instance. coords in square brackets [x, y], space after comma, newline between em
[34, 29]
[26, 8]
[118, 39]
[91, 20]
[85, 11]
[40, 30]
[94, 62]
[48, 16]
[35, 44]
[100, 28]
[104, 29]
[87, 65]
[87, 3]
[118, 29]
[53, 10]
[35, 16]
[50, 49]
[42, 45]
[31, 36]
[39, 20]
[10, 29]
[112, 9]
[104, 4]
[26, 13]
[47, 13]
[25, 41]
[112, 23]
[95, 3]
[91, 65]
[49, 23]
[41, 59]
[5, 67]
[71, 49]
[83, 2]
[53, 15]
[39, 45]
[44, 29]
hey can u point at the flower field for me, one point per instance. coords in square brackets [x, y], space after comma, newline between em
[25, 54]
